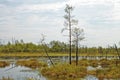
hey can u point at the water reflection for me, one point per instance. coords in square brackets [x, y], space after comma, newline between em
[20, 73]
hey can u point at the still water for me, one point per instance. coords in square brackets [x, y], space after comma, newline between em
[20, 73]
[23, 73]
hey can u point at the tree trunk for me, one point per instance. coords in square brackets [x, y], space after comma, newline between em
[77, 51]
[70, 50]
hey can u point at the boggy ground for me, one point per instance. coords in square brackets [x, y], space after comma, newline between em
[103, 69]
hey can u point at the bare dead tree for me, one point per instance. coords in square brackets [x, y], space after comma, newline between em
[44, 47]
[69, 21]
[78, 35]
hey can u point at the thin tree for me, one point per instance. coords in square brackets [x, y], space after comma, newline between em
[69, 21]
[44, 47]
[78, 35]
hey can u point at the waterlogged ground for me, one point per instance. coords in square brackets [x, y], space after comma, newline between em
[23, 73]
[20, 73]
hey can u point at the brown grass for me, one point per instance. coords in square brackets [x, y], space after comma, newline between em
[4, 63]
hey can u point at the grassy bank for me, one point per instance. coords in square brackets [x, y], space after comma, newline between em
[50, 54]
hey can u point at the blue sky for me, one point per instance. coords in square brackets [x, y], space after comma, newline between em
[28, 19]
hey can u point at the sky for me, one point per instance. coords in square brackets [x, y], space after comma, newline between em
[28, 19]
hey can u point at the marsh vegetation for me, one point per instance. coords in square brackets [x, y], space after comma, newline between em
[101, 69]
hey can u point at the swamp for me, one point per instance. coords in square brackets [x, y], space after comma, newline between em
[59, 39]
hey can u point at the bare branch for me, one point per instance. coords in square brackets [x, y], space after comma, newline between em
[43, 38]
[64, 29]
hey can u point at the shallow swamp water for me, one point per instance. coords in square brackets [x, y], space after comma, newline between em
[25, 73]
[20, 73]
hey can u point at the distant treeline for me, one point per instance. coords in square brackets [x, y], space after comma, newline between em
[53, 46]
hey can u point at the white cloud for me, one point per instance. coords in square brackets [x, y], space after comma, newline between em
[59, 5]
[33, 19]
[5, 10]
[38, 7]
[116, 11]
[19, 24]
[102, 36]
[89, 2]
